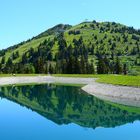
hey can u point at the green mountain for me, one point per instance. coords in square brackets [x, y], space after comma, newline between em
[66, 104]
[90, 47]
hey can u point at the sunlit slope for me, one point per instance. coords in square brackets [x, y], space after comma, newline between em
[108, 38]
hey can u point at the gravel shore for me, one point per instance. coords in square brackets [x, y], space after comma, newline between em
[44, 79]
[119, 94]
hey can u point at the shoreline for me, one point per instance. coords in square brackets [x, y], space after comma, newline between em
[44, 79]
[125, 95]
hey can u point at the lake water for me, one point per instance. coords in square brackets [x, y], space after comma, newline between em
[57, 112]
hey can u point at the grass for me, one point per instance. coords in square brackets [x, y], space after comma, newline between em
[109, 79]
[75, 75]
[120, 80]
[69, 84]
[25, 47]
[23, 84]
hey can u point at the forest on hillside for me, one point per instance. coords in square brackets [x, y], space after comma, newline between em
[87, 48]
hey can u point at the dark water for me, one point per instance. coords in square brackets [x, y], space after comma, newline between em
[56, 112]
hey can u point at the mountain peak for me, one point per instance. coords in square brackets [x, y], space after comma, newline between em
[55, 30]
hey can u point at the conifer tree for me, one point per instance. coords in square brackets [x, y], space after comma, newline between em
[118, 67]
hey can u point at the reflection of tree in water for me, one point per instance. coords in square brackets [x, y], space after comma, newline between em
[66, 104]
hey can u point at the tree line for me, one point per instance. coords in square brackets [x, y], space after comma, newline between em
[70, 59]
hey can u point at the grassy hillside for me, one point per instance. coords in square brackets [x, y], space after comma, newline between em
[24, 47]
[106, 39]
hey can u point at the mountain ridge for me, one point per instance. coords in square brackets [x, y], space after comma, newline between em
[98, 38]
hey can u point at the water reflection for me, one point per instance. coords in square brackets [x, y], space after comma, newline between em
[68, 104]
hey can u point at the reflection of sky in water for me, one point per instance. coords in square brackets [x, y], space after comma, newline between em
[19, 123]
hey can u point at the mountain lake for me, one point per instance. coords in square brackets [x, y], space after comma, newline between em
[63, 112]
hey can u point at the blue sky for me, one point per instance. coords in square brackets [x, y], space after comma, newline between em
[23, 19]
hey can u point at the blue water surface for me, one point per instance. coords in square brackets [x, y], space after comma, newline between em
[22, 122]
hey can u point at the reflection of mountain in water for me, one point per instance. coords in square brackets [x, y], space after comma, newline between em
[66, 104]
